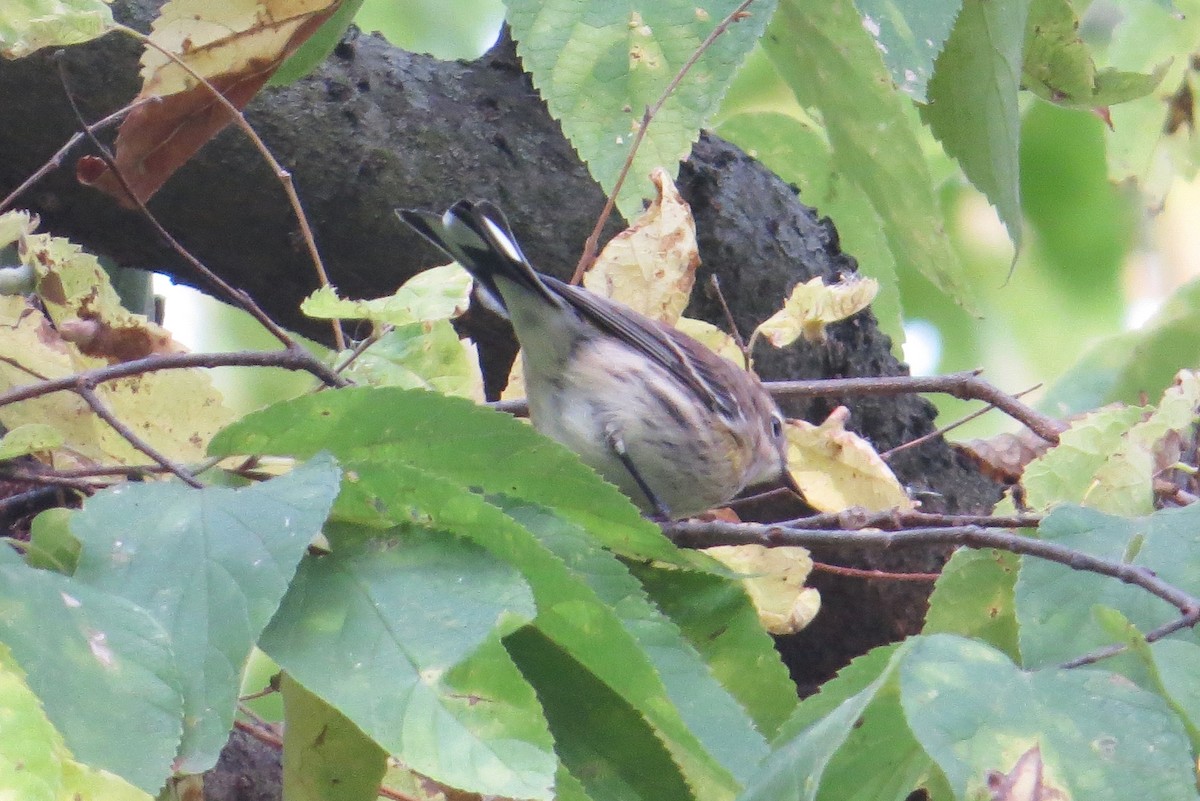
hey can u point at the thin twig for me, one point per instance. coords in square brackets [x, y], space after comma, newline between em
[593, 240]
[262, 735]
[299, 359]
[104, 413]
[895, 520]
[944, 430]
[236, 296]
[965, 386]
[55, 161]
[121, 470]
[361, 348]
[886, 575]
[706, 534]
[284, 176]
[1186, 621]
[715, 283]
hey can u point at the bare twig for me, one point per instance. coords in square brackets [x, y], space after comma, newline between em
[361, 348]
[965, 386]
[55, 161]
[886, 575]
[895, 520]
[104, 413]
[593, 240]
[236, 296]
[715, 283]
[941, 432]
[1185, 621]
[258, 733]
[102, 471]
[284, 176]
[706, 534]
[289, 359]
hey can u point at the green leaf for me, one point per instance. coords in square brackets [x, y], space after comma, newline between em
[973, 597]
[599, 65]
[1176, 662]
[602, 739]
[446, 29]
[1086, 240]
[438, 293]
[456, 440]
[880, 760]
[1152, 36]
[1065, 473]
[317, 47]
[35, 765]
[719, 621]
[29, 25]
[1100, 736]
[1058, 65]
[211, 566]
[425, 355]
[972, 106]
[1055, 604]
[820, 727]
[99, 663]
[709, 714]
[52, 546]
[325, 756]
[1169, 668]
[29, 438]
[394, 634]
[831, 64]
[909, 34]
[577, 588]
[1122, 367]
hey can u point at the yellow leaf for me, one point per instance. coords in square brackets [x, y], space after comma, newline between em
[713, 338]
[439, 293]
[29, 438]
[28, 26]
[839, 470]
[235, 46]
[651, 265]
[813, 305]
[774, 579]
[79, 325]
[237, 37]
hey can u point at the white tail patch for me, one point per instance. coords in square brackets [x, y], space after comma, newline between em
[510, 248]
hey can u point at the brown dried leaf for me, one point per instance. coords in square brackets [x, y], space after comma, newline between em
[236, 46]
[839, 470]
[651, 265]
[1004, 456]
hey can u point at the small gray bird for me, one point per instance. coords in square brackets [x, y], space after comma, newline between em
[676, 427]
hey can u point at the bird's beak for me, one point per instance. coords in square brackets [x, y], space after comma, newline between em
[788, 481]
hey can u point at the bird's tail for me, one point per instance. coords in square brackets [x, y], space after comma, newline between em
[478, 237]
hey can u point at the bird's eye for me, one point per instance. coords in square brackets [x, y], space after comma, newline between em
[776, 426]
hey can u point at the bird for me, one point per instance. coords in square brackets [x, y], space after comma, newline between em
[674, 426]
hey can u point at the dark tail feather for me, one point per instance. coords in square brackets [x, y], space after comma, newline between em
[477, 236]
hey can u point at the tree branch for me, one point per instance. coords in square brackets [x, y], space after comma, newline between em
[706, 534]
